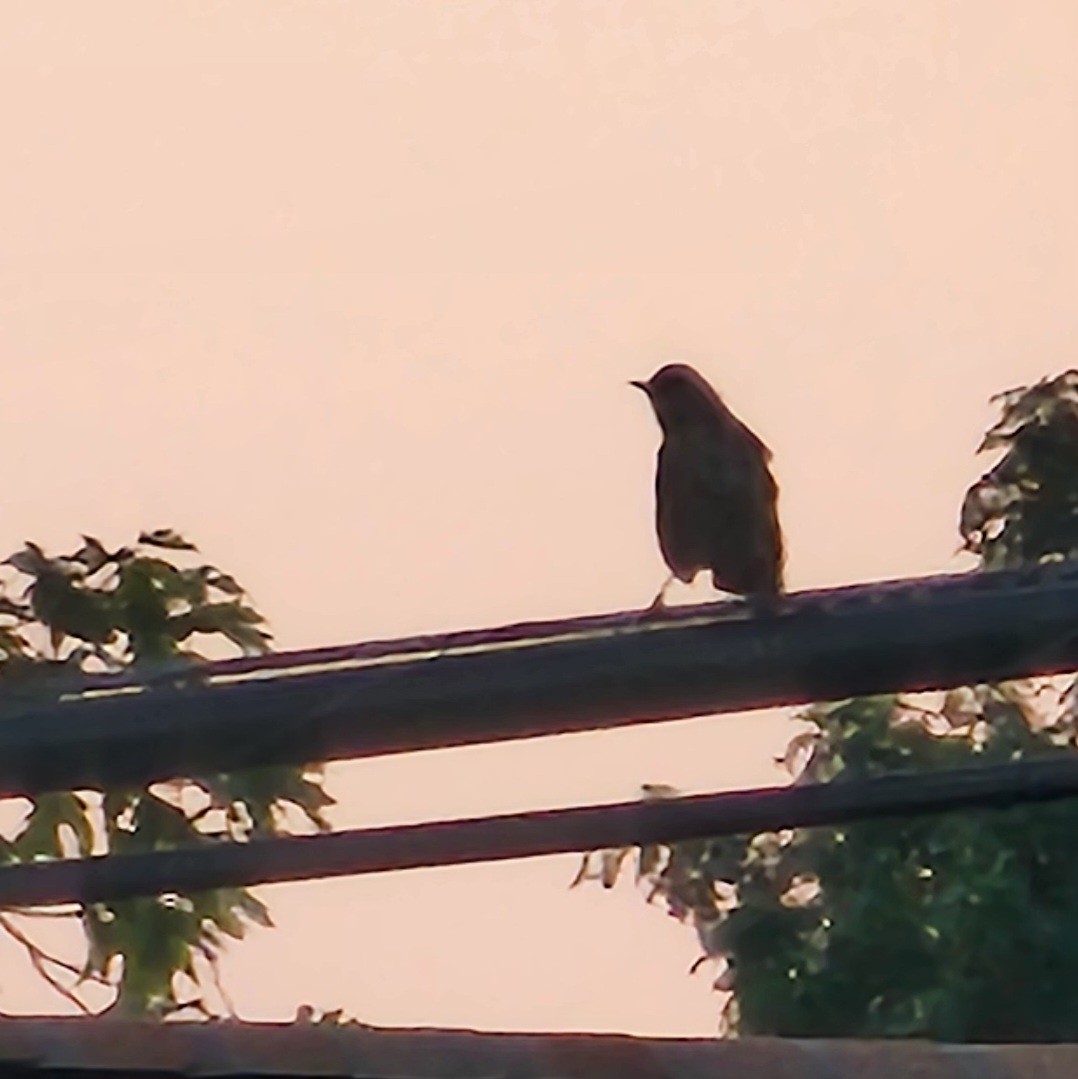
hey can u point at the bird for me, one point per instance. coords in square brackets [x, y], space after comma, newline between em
[715, 497]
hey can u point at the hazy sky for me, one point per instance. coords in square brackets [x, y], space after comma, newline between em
[350, 293]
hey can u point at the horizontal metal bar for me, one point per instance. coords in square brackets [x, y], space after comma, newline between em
[523, 835]
[552, 678]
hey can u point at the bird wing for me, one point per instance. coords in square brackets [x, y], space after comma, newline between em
[721, 510]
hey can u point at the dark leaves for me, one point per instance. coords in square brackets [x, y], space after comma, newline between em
[239, 623]
[167, 538]
[1025, 509]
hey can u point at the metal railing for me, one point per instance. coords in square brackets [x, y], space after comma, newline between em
[533, 680]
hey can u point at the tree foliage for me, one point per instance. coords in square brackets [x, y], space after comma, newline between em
[152, 608]
[959, 927]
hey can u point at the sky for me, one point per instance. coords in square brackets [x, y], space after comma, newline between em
[350, 294]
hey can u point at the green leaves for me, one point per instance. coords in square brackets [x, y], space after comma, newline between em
[67, 608]
[62, 617]
[903, 928]
[167, 538]
[1025, 509]
[255, 802]
[232, 619]
[44, 828]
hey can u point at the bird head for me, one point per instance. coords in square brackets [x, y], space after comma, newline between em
[681, 397]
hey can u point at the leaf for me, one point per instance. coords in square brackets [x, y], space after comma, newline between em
[31, 559]
[167, 538]
[94, 556]
[98, 924]
[15, 610]
[259, 791]
[68, 609]
[583, 872]
[191, 586]
[224, 582]
[649, 860]
[799, 751]
[228, 921]
[249, 639]
[228, 617]
[13, 644]
[255, 909]
[159, 825]
[610, 862]
[40, 836]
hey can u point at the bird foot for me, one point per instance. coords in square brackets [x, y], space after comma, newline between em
[657, 608]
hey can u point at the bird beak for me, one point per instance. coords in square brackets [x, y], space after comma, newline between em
[641, 386]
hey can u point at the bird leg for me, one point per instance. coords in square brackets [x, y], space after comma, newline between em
[658, 604]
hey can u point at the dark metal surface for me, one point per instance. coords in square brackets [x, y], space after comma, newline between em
[72, 1047]
[520, 835]
[549, 678]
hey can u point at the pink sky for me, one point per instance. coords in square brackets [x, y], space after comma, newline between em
[350, 294]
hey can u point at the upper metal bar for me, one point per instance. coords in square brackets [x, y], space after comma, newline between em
[544, 679]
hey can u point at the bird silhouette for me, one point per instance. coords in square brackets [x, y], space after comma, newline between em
[715, 496]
